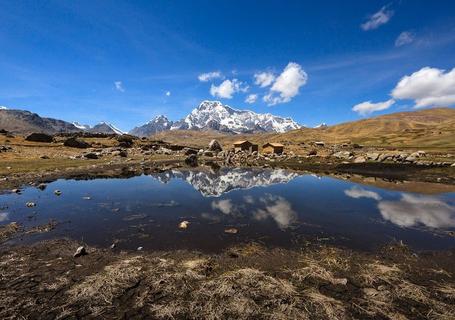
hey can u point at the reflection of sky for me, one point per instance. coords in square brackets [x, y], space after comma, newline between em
[265, 207]
[3, 216]
[410, 210]
[356, 193]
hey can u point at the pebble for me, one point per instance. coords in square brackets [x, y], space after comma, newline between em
[184, 224]
[30, 204]
[57, 192]
[231, 230]
[139, 248]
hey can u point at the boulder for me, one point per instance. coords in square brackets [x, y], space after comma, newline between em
[40, 137]
[191, 160]
[123, 153]
[215, 146]
[313, 152]
[125, 140]
[372, 156]
[411, 158]
[343, 154]
[360, 159]
[76, 143]
[187, 151]
[208, 153]
[80, 251]
[91, 155]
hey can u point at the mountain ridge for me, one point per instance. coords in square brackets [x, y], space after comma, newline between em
[213, 115]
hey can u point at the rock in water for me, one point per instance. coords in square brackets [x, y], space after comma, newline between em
[191, 160]
[215, 146]
[231, 230]
[57, 192]
[184, 224]
[80, 251]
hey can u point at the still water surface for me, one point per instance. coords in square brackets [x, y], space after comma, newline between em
[272, 207]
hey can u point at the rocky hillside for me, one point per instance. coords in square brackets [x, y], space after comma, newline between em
[158, 124]
[25, 122]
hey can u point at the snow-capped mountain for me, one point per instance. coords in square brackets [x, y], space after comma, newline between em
[322, 125]
[81, 126]
[104, 127]
[213, 115]
[158, 124]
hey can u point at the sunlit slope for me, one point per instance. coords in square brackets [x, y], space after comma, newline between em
[431, 128]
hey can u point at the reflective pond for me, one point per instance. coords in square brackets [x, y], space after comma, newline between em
[272, 207]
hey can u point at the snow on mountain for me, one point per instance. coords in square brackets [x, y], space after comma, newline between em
[158, 124]
[104, 127]
[322, 125]
[81, 126]
[216, 116]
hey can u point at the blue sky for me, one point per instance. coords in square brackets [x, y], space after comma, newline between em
[126, 61]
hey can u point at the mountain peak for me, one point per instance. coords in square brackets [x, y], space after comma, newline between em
[322, 125]
[104, 127]
[213, 115]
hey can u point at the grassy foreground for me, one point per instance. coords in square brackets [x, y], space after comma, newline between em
[247, 282]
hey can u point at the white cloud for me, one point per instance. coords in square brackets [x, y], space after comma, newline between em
[277, 208]
[287, 85]
[3, 216]
[368, 107]
[251, 98]
[248, 199]
[427, 87]
[225, 206]
[412, 210]
[204, 77]
[168, 93]
[227, 88]
[264, 79]
[3, 108]
[405, 37]
[378, 19]
[356, 193]
[119, 86]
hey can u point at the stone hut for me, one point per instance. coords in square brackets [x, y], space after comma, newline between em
[272, 147]
[245, 145]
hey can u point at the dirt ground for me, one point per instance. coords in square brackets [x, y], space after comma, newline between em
[45, 281]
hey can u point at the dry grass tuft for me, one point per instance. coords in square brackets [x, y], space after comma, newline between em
[246, 294]
[101, 288]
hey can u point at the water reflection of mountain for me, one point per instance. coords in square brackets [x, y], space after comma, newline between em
[216, 183]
